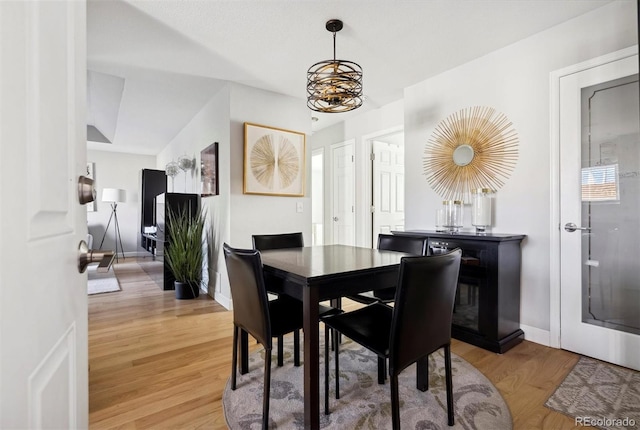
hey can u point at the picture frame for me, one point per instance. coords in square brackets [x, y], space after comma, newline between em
[91, 167]
[209, 176]
[274, 161]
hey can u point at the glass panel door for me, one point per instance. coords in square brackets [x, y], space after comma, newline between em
[610, 195]
[599, 193]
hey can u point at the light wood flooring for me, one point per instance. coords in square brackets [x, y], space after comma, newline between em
[157, 362]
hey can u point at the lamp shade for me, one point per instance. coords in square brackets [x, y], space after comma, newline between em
[114, 195]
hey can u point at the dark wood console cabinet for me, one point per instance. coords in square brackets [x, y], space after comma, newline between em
[487, 307]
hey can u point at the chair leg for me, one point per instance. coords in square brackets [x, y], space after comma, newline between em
[422, 373]
[267, 389]
[326, 369]
[447, 370]
[382, 370]
[234, 357]
[296, 348]
[395, 402]
[280, 350]
[336, 344]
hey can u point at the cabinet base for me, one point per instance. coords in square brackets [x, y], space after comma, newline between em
[500, 346]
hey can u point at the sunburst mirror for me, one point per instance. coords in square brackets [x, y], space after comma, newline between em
[473, 148]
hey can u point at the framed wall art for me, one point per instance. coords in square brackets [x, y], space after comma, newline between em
[91, 206]
[274, 161]
[209, 171]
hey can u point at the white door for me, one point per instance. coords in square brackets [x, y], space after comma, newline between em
[342, 194]
[317, 197]
[600, 195]
[388, 187]
[43, 298]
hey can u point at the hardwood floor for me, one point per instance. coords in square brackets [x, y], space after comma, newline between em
[157, 362]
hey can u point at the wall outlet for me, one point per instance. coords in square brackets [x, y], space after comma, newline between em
[299, 207]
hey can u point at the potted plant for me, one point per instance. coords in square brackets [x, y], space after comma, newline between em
[184, 253]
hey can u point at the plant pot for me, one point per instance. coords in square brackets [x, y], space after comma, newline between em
[186, 290]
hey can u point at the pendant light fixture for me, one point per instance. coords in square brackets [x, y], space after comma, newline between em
[334, 86]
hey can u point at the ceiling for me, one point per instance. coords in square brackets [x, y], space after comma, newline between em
[154, 64]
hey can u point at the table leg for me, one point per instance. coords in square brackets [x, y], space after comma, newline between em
[244, 352]
[311, 359]
[422, 374]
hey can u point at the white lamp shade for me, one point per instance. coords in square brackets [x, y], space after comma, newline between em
[114, 195]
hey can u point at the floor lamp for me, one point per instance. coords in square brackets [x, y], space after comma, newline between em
[114, 196]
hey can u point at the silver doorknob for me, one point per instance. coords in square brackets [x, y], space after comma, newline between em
[335, 218]
[86, 256]
[571, 227]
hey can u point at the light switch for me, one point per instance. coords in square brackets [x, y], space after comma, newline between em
[299, 207]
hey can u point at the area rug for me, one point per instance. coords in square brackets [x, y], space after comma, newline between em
[363, 403]
[101, 282]
[599, 394]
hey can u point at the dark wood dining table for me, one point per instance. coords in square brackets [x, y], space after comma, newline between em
[318, 273]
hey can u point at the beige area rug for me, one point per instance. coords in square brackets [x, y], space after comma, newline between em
[101, 282]
[599, 394]
[363, 403]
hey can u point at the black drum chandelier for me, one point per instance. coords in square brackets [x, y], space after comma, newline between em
[334, 86]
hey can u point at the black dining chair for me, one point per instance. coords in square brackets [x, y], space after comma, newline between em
[263, 242]
[417, 325]
[390, 242]
[262, 318]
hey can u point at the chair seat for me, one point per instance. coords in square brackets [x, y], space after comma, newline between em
[369, 326]
[286, 316]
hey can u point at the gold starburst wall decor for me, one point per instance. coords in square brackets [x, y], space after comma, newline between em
[472, 148]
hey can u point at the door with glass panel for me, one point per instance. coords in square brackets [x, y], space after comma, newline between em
[600, 212]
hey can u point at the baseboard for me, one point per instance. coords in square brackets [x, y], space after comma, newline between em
[536, 335]
[223, 300]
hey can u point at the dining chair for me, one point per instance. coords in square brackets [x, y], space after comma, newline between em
[391, 242]
[416, 326]
[262, 318]
[263, 242]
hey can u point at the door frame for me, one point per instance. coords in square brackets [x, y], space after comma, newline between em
[329, 208]
[365, 221]
[554, 225]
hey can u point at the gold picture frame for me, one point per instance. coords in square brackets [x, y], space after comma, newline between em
[473, 148]
[274, 161]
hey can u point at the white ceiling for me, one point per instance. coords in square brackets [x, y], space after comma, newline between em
[174, 55]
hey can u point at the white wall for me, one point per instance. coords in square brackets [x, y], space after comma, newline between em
[210, 125]
[118, 170]
[234, 215]
[360, 128]
[515, 81]
[255, 214]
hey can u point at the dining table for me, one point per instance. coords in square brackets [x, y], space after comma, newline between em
[318, 273]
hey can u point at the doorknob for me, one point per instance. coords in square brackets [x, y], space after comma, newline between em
[335, 218]
[86, 256]
[571, 227]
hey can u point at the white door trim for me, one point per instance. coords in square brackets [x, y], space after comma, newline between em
[554, 225]
[328, 219]
[366, 221]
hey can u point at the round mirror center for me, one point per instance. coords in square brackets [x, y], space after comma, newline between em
[463, 155]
